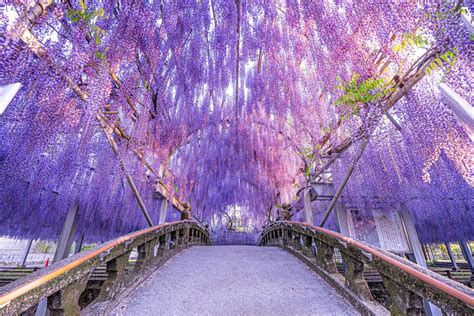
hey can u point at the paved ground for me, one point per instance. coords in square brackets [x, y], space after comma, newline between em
[234, 280]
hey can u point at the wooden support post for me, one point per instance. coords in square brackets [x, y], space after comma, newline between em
[67, 234]
[363, 145]
[308, 209]
[107, 131]
[407, 218]
[451, 257]
[139, 199]
[426, 253]
[342, 222]
[163, 211]
[26, 252]
[79, 243]
[462, 110]
[62, 252]
[467, 254]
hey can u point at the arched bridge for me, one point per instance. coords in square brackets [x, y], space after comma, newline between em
[233, 279]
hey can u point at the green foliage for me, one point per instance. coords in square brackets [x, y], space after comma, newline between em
[308, 171]
[409, 41]
[355, 92]
[88, 247]
[444, 61]
[307, 152]
[100, 55]
[90, 18]
[43, 247]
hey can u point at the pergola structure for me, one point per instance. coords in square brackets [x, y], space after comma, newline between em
[120, 115]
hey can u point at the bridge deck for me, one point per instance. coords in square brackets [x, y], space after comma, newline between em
[229, 280]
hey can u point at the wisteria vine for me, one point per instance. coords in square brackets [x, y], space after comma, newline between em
[232, 104]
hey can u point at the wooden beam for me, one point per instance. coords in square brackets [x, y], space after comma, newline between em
[108, 133]
[67, 234]
[411, 77]
[308, 209]
[410, 229]
[26, 252]
[163, 211]
[363, 145]
[451, 257]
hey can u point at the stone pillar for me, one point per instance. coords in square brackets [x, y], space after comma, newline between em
[404, 302]
[186, 213]
[308, 246]
[286, 212]
[354, 276]
[115, 277]
[66, 301]
[145, 255]
[325, 257]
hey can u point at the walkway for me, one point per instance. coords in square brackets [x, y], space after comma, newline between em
[231, 280]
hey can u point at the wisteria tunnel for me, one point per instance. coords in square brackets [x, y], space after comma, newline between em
[319, 152]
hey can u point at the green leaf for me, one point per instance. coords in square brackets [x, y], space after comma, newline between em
[428, 70]
[308, 171]
[97, 39]
[99, 55]
[83, 4]
[439, 62]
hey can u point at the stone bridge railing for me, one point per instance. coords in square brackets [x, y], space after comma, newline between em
[69, 285]
[406, 282]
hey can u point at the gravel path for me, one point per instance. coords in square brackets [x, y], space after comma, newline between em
[234, 280]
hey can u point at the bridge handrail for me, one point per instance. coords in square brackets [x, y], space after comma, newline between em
[20, 293]
[435, 285]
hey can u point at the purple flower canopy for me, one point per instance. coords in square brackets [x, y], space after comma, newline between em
[233, 105]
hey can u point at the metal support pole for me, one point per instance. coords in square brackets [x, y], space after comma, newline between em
[451, 257]
[25, 254]
[365, 141]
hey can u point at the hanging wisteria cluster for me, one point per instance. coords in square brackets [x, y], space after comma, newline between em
[232, 104]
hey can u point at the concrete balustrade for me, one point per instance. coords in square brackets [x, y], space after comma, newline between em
[407, 283]
[69, 284]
